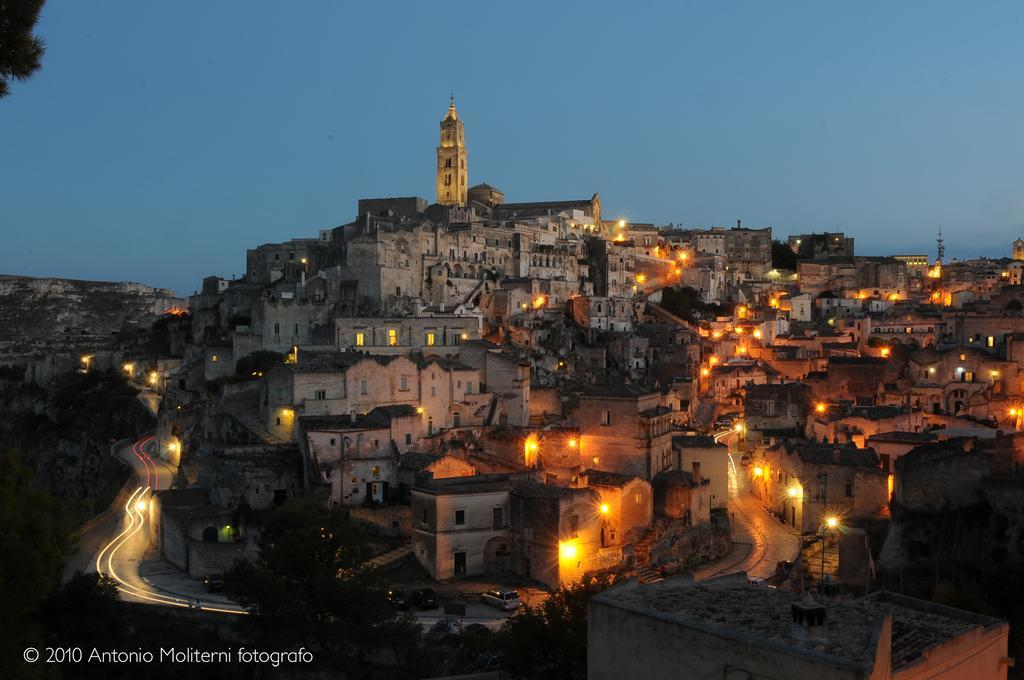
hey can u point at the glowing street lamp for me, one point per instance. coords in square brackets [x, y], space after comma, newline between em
[572, 443]
[821, 407]
[885, 352]
[567, 550]
[831, 521]
[604, 508]
[758, 471]
[140, 506]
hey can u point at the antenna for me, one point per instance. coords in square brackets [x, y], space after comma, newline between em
[941, 245]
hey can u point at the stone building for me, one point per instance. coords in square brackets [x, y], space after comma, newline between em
[558, 532]
[729, 630]
[446, 393]
[431, 332]
[704, 459]
[826, 244]
[195, 535]
[452, 158]
[805, 483]
[625, 429]
[358, 455]
[460, 525]
[626, 505]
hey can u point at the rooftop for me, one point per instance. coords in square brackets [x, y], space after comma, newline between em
[757, 616]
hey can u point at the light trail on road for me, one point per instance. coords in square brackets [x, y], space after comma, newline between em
[152, 478]
[135, 507]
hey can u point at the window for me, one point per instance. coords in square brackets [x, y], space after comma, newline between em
[606, 417]
[423, 516]
[990, 341]
[637, 498]
[360, 339]
[456, 419]
[460, 517]
[392, 337]
[469, 388]
[277, 329]
[849, 490]
[498, 518]
[320, 395]
[403, 383]
[362, 387]
[376, 471]
[574, 525]
[433, 390]
[215, 358]
[333, 441]
[408, 439]
[431, 339]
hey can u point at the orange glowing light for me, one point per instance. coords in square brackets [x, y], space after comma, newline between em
[831, 522]
[705, 372]
[176, 311]
[820, 407]
[894, 297]
[757, 333]
[539, 301]
[604, 508]
[530, 448]
[1014, 412]
[683, 256]
[758, 472]
[716, 334]
[572, 443]
[885, 352]
[712, 360]
[640, 278]
[567, 550]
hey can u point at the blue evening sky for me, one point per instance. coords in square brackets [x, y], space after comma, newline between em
[160, 140]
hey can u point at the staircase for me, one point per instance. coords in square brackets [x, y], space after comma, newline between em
[645, 571]
[704, 416]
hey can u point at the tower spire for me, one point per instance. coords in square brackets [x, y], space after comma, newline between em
[452, 159]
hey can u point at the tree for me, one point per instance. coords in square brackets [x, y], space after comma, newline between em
[21, 52]
[550, 641]
[783, 256]
[35, 538]
[310, 586]
[257, 362]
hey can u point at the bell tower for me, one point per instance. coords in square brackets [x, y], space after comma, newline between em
[452, 159]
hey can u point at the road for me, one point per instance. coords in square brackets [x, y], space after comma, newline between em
[122, 554]
[759, 540]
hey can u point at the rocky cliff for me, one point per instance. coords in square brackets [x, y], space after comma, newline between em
[64, 315]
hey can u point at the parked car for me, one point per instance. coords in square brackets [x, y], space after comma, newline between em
[754, 581]
[445, 631]
[214, 583]
[424, 598]
[398, 599]
[502, 599]
[725, 421]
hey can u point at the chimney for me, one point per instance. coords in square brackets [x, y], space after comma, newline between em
[809, 620]
[739, 223]
[696, 472]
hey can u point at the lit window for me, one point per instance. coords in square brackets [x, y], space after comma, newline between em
[215, 358]
[392, 337]
[360, 339]
[430, 339]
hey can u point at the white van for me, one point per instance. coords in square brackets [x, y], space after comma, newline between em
[502, 599]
